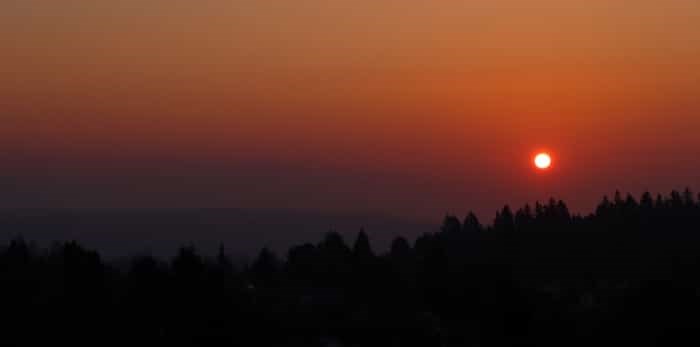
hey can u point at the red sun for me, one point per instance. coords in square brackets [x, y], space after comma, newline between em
[543, 161]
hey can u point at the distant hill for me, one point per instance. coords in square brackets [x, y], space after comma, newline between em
[120, 232]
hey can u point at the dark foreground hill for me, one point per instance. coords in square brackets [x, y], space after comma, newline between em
[627, 275]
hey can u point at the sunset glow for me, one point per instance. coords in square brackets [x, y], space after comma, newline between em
[271, 103]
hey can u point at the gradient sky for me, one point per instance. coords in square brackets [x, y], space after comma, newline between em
[411, 108]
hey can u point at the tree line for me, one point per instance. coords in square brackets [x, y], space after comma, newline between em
[538, 276]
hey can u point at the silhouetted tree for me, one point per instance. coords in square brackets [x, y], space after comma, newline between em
[660, 203]
[504, 221]
[400, 248]
[647, 202]
[625, 274]
[265, 270]
[362, 248]
[524, 219]
[451, 225]
[688, 199]
[471, 223]
[188, 265]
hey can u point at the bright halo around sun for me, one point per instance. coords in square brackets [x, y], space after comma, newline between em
[543, 161]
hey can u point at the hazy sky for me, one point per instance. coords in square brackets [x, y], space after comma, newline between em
[413, 108]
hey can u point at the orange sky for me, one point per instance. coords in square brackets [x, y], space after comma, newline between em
[406, 107]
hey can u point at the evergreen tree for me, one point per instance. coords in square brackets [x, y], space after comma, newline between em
[471, 223]
[362, 248]
[451, 225]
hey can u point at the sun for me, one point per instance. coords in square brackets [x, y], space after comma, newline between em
[543, 161]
